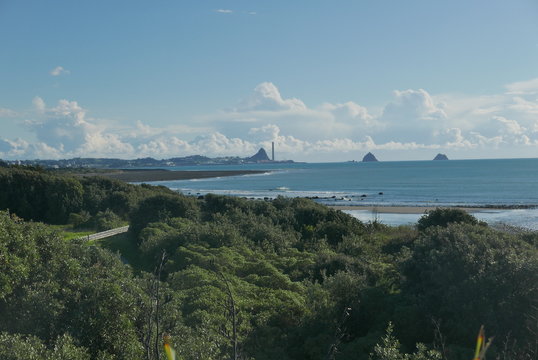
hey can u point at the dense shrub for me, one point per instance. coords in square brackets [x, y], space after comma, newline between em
[443, 217]
[285, 279]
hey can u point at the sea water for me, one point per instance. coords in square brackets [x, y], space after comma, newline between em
[482, 183]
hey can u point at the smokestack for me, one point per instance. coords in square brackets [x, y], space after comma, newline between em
[273, 150]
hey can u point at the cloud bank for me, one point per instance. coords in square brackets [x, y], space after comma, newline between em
[412, 122]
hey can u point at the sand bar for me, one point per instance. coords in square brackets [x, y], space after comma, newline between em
[168, 175]
[410, 209]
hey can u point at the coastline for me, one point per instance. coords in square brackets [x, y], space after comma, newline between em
[415, 209]
[142, 175]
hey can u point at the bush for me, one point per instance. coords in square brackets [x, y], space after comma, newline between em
[106, 220]
[161, 208]
[79, 220]
[443, 217]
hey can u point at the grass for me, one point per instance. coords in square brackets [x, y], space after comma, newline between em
[120, 243]
[68, 233]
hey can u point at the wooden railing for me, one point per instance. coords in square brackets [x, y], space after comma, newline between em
[105, 234]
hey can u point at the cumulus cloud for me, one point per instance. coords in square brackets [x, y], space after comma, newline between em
[65, 130]
[412, 105]
[64, 127]
[266, 97]
[266, 105]
[21, 149]
[509, 126]
[413, 121]
[13, 148]
[59, 70]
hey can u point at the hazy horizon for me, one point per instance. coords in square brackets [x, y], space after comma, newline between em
[327, 82]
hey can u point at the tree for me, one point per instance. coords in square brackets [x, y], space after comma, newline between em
[160, 208]
[472, 275]
[443, 217]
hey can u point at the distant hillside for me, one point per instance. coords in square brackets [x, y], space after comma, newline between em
[260, 156]
[110, 163]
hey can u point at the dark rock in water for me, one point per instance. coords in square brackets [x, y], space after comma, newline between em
[369, 158]
[440, 157]
[260, 156]
[380, 193]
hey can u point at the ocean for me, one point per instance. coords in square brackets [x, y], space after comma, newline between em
[482, 183]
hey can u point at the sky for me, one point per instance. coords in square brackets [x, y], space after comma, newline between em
[323, 80]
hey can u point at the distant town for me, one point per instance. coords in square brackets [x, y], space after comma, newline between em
[110, 163]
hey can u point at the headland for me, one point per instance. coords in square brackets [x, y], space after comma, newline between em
[142, 175]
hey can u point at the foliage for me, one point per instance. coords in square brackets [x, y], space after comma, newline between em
[18, 347]
[389, 349]
[39, 195]
[445, 216]
[473, 275]
[160, 208]
[251, 279]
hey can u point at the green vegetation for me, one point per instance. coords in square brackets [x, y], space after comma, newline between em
[230, 278]
[85, 202]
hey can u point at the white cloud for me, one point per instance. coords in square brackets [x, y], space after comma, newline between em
[224, 11]
[8, 113]
[21, 149]
[350, 113]
[269, 132]
[412, 105]
[59, 70]
[523, 87]
[13, 148]
[413, 121]
[524, 106]
[65, 130]
[215, 144]
[39, 104]
[511, 127]
[266, 97]
[483, 141]
[266, 105]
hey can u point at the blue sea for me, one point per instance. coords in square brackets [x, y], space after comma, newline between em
[481, 183]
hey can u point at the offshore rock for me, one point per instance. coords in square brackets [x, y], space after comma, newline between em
[440, 157]
[369, 158]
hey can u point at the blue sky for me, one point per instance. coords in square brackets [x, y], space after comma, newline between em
[325, 80]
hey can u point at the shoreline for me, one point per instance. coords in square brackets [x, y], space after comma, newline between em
[423, 209]
[143, 175]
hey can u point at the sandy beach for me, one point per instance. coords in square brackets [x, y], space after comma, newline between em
[407, 209]
[168, 175]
